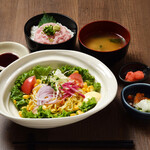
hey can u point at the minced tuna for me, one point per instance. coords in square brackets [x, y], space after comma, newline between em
[51, 33]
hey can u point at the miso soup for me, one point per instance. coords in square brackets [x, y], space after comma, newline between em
[105, 42]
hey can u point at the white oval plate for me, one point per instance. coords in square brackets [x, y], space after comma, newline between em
[55, 58]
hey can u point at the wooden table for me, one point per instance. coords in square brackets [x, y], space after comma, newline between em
[112, 123]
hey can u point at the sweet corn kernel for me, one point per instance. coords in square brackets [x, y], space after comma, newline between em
[88, 90]
[28, 107]
[14, 101]
[44, 107]
[31, 107]
[20, 113]
[75, 107]
[26, 96]
[73, 114]
[38, 81]
[53, 110]
[30, 102]
[85, 85]
[76, 71]
[32, 97]
[23, 107]
[79, 112]
[91, 88]
[35, 84]
[84, 89]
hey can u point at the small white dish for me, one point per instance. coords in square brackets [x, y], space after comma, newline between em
[14, 48]
[55, 58]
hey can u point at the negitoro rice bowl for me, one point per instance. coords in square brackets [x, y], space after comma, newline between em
[49, 31]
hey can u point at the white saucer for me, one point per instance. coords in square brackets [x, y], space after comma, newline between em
[14, 48]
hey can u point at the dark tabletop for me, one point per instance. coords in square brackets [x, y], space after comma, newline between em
[112, 123]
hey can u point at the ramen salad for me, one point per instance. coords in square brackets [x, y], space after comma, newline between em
[43, 92]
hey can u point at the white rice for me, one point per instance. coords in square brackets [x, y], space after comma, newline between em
[33, 31]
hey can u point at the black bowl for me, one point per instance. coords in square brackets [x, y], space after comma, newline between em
[132, 90]
[134, 66]
[64, 20]
[108, 57]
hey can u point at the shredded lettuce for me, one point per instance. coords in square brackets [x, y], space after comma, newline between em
[43, 113]
[88, 105]
[48, 114]
[97, 86]
[40, 71]
[23, 102]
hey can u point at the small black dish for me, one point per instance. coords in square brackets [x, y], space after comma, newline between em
[134, 66]
[132, 90]
[64, 20]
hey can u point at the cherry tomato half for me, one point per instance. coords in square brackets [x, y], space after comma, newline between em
[28, 85]
[77, 78]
